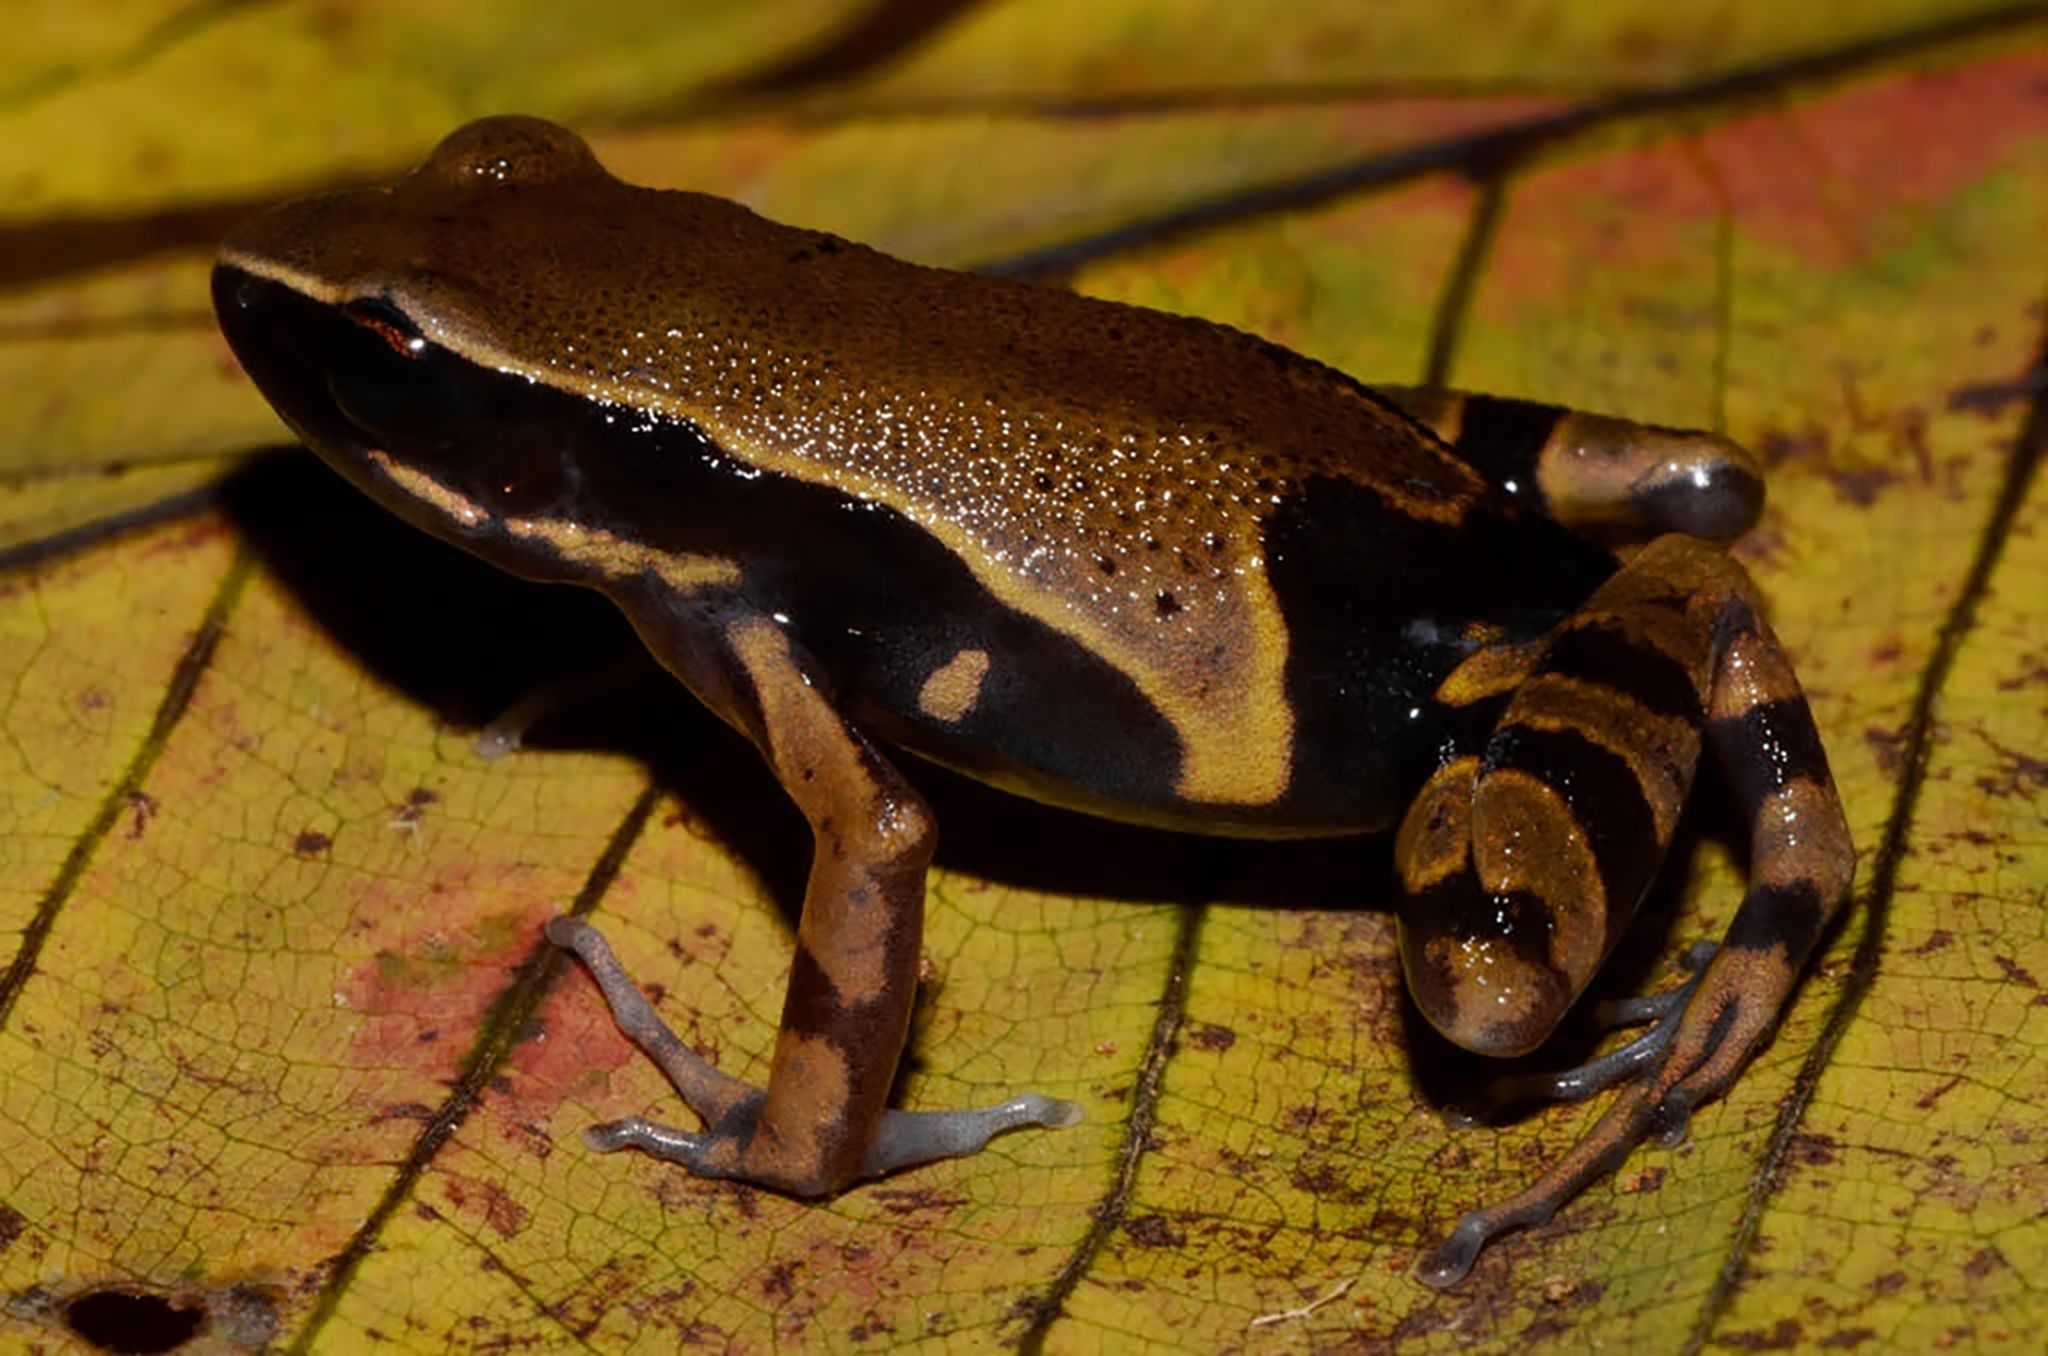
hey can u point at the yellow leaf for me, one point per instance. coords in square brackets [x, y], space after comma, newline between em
[283, 1059]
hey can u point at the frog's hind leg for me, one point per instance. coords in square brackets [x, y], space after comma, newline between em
[1612, 479]
[1523, 864]
[821, 1122]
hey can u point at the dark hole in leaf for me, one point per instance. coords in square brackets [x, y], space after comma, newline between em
[120, 1320]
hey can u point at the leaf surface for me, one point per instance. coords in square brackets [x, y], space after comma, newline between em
[282, 1054]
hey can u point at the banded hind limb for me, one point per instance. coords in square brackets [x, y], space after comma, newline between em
[1522, 862]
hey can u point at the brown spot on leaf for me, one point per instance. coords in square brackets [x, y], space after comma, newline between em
[1152, 1231]
[1926, 1100]
[779, 1281]
[12, 1226]
[1779, 447]
[490, 1199]
[1983, 1262]
[311, 844]
[1889, 746]
[1783, 1336]
[2033, 672]
[1861, 485]
[1815, 1150]
[1992, 398]
[1847, 1339]
[1211, 1038]
[1938, 940]
[1645, 1179]
[2018, 773]
[143, 807]
[2014, 972]
[916, 1200]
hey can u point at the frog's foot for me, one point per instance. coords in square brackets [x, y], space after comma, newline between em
[1662, 1011]
[731, 1108]
[1729, 1008]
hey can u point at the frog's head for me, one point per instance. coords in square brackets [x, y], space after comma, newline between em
[449, 343]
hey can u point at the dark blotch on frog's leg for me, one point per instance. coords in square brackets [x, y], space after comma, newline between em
[1505, 439]
[1605, 798]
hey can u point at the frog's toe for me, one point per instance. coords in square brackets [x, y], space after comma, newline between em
[908, 1138]
[707, 1091]
[661, 1141]
[1638, 1058]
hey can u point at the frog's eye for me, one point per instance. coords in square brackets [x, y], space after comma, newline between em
[379, 375]
[388, 323]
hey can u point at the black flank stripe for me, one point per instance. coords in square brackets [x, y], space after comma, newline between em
[1604, 797]
[1604, 655]
[1777, 915]
[1768, 747]
[1503, 439]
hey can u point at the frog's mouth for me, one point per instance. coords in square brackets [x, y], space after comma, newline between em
[426, 433]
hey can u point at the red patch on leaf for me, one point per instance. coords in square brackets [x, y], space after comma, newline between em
[438, 980]
[1816, 179]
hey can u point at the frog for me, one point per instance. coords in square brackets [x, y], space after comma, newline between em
[1138, 565]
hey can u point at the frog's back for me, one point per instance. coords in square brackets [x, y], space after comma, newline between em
[1130, 480]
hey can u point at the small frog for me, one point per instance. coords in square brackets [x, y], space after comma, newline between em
[1130, 563]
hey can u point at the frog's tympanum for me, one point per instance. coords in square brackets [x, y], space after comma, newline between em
[1131, 563]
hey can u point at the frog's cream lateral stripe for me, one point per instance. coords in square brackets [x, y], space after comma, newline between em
[610, 555]
[1231, 713]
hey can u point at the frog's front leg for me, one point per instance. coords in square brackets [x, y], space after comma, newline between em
[1614, 479]
[821, 1121]
[1522, 864]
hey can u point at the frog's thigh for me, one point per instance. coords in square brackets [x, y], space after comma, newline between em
[1678, 619]
[1613, 478]
[1523, 862]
